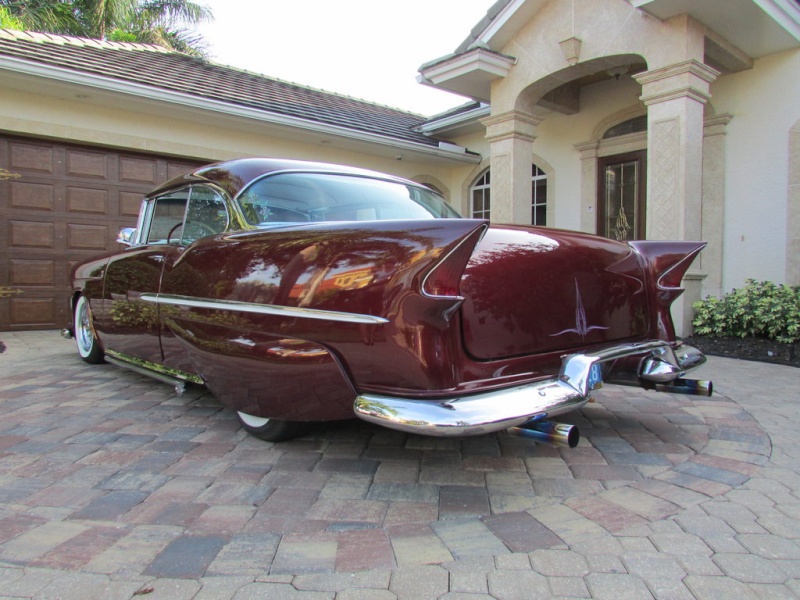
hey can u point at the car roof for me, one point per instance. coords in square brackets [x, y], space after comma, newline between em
[235, 175]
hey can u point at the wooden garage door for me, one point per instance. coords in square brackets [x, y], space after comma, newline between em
[59, 204]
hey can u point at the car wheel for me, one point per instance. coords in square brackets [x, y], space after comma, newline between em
[88, 345]
[270, 430]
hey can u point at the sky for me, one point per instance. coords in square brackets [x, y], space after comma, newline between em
[367, 49]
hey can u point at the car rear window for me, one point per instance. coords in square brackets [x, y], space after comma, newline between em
[314, 197]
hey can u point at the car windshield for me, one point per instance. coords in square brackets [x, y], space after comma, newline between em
[307, 197]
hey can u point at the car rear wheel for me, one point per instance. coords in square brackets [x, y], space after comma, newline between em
[270, 430]
[88, 345]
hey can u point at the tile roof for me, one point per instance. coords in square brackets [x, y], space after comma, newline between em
[481, 26]
[168, 70]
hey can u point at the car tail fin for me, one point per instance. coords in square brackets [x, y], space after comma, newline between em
[444, 279]
[667, 263]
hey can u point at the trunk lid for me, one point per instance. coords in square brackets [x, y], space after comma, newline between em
[534, 291]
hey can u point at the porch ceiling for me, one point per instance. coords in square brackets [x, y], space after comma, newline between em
[757, 27]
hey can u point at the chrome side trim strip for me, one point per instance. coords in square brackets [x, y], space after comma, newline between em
[173, 377]
[293, 312]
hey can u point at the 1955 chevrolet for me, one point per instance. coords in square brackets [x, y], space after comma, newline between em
[301, 292]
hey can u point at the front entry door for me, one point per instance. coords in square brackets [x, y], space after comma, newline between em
[621, 196]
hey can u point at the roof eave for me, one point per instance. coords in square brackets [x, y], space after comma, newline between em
[501, 22]
[467, 74]
[159, 95]
[457, 122]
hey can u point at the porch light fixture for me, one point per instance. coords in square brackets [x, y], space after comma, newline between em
[617, 72]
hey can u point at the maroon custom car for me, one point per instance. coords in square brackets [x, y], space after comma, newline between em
[301, 292]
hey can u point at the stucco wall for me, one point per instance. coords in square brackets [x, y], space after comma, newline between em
[765, 104]
[196, 135]
[607, 30]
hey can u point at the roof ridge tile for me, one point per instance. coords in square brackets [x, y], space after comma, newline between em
[64, 40]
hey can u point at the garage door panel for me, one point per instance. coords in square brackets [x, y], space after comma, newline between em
[33, 196]
[87, 237]
[138, 169]
[31, 311]
[27, 156]
[32, 234]
[87, 200]
[174, 169]
[86, 164]
[32, 272]
[129, 204]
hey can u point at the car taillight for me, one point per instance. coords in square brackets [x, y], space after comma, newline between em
[445, 278]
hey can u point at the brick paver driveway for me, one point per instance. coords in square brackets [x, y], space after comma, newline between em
[111, 484]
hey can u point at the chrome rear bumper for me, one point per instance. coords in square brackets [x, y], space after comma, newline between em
[511, 407]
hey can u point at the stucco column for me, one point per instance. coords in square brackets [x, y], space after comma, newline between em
[511, 138]
[589, 154]
[675, 97]
[793, 209]
[710, 260]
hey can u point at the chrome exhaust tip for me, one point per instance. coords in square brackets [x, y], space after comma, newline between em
[66, 333]
[548, 432]
[691, 387]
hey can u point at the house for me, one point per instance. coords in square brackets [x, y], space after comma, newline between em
[655, 119]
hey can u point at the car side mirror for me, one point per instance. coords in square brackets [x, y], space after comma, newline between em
[126, 236]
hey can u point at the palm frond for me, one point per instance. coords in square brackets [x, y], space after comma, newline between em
[165, 22]
[176, 12]
[53, 16]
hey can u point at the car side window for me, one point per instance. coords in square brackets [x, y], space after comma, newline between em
[167, 217]
[186, 215]
[206, 215]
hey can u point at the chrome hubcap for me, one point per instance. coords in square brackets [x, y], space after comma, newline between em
[83, 333]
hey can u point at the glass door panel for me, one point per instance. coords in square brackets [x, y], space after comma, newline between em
[621, 202]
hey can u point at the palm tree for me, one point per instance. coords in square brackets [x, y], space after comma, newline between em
[163, 22]
[52, 16]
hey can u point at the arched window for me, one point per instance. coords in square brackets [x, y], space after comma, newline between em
[480, 196]
[634, 125]
[538, 196]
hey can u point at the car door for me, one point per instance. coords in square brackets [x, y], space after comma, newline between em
[130, 325]
[206, 215]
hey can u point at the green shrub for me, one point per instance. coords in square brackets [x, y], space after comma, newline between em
[760, 309]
